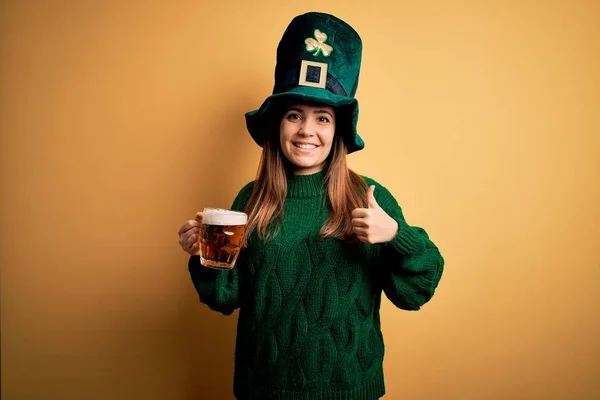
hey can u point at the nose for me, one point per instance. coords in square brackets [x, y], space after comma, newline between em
[306, 129]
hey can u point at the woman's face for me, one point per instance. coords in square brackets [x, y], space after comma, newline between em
[306, 135]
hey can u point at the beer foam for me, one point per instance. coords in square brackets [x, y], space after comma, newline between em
[219, 216]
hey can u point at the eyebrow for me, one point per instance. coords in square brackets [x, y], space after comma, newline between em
[319, 111]
[323, 112]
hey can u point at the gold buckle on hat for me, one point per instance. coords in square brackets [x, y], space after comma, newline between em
[304, 72]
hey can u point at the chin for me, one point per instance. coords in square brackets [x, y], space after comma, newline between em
[301, 164]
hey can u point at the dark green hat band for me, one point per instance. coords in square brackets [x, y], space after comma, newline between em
[313, 75]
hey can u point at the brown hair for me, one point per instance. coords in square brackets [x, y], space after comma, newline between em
[346, 191]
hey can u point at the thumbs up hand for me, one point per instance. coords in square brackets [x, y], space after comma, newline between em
[373, 225]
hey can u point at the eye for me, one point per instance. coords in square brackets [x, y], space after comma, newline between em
[323, 119]
[293, 116]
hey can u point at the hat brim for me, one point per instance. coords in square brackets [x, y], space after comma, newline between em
[258, 121]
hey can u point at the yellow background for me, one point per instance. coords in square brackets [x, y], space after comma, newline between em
[121, 119]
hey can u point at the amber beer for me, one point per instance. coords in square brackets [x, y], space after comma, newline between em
[221, 234]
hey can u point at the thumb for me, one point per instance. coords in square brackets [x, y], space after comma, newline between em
[198, 217]
[371, 202]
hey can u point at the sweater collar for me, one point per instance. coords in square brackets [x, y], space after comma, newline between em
[304, 186]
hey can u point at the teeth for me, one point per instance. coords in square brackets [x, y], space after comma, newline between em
[305, 146]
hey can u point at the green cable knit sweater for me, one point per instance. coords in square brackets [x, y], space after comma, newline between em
[309, 324]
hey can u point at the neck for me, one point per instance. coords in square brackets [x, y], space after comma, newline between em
[308, 171]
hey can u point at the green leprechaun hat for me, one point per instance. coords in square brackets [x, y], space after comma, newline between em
[318, 60]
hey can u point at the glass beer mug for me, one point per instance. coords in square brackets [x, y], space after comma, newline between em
[221, 234]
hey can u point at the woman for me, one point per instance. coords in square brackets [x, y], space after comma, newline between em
[322, 243]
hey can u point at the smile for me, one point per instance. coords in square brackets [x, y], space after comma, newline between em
[305, 146]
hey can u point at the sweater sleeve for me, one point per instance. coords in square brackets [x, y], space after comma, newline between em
[410, 264]
[221, 290]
